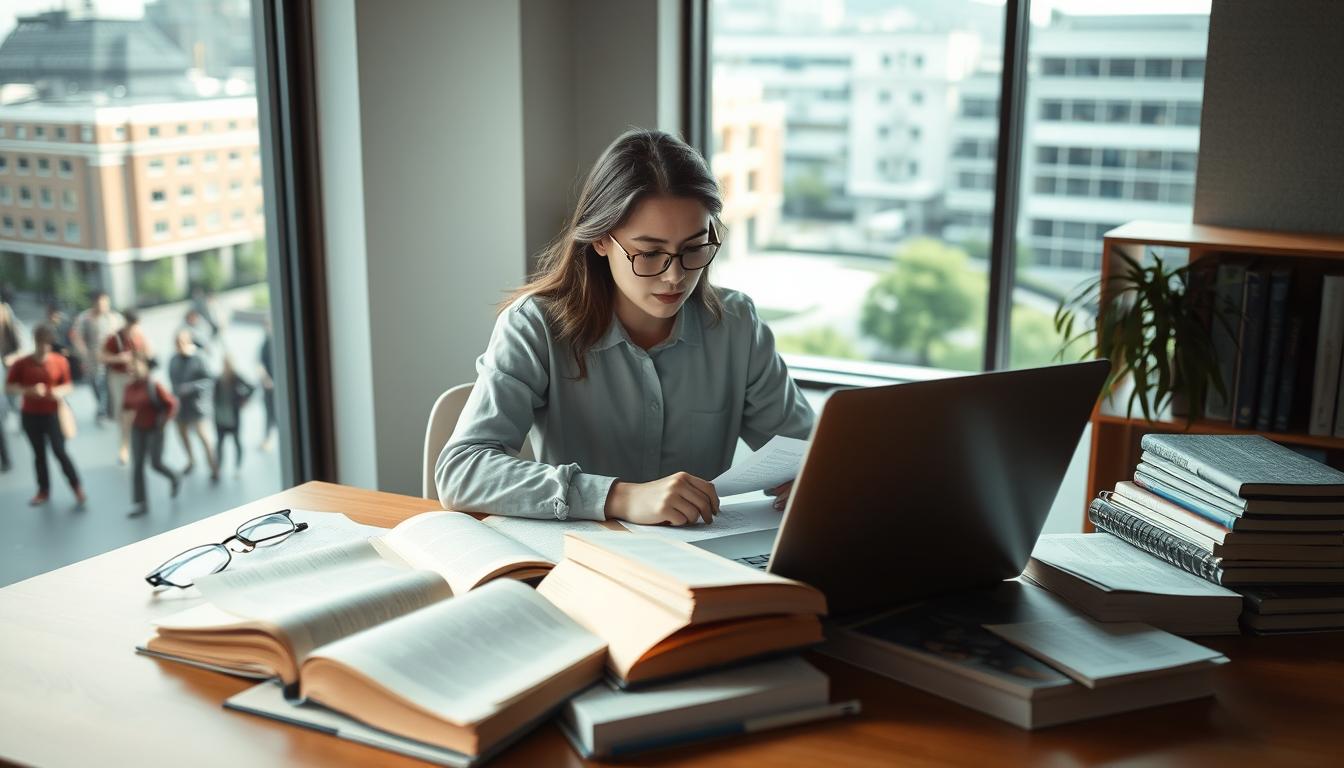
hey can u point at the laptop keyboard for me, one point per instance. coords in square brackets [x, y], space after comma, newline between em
[759, 562]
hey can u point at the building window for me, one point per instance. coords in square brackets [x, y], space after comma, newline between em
[43, 166]
[86, 133]
[49, 229]
[1053, 67]
[153, 130]
[1157, 68]
[1121, 68]
[186, 193]
[235, 158]
[181, 129]
[66, 169]
[29, 230]
[916, 97]
[1192, 69]
[23, 166]
[20, 131]
[209, 161]
[119, 132]
[60, 132]
[188, 224]
[212, 220]
[45, 198]
[68, 200]
[4, 164]
[6, 196]
[39, 132]
[7, 225]
[207, 127]
[156, 166]
[25, 196]
[211, 191]
[235, 188]
[183, 163]
[72, 232]
[233, 125]
[158, 196]
[161, 228]
[237, 215]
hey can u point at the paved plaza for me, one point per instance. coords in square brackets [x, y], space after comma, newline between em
[38, 539]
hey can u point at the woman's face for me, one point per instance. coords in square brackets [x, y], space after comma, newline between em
[666, 224]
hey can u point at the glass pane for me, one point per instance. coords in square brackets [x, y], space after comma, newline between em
[878, 124]
[191, 565]
[270, 527]
[133, 159]
[1145, 171]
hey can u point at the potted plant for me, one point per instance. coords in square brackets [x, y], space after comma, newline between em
[1155, 332]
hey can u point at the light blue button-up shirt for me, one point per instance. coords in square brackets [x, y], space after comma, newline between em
[638, 416]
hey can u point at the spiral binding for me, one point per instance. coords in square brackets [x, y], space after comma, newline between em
[1153, 540]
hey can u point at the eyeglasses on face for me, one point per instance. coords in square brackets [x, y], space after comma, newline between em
[654, 263]
[182, 570]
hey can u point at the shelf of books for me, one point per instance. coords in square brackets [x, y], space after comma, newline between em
[1277, 324]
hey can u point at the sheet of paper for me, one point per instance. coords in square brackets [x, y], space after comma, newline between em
[1106, 560]
[1095, 653]
[778, 461]
[679, 564]
[546, 537]
[752, 512]
[464, 657]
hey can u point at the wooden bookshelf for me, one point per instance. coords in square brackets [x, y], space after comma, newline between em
[1115, 435]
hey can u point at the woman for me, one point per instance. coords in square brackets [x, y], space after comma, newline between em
[638, 375]
[118, 353]
[231, 391]
[43, 378]
[149, 406]
[191, 380]
[11, 351]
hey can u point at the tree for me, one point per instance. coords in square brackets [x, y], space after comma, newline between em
[212, 273]
[251, 264]
[71, 290]
[927, 294]
[821, 342]
[157, 284]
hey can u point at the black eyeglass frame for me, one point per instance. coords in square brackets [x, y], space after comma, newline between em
[156, 579]
[679, 255]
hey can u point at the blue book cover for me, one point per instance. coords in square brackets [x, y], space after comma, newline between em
[1250, 343]
[1219, 516]
[1276, 322]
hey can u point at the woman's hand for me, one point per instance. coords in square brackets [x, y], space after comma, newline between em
[39, 389]
[781, 494]
[678, 499]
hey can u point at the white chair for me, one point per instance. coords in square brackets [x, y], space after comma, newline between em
[442, 420]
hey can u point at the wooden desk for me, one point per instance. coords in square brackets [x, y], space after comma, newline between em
[73, 693]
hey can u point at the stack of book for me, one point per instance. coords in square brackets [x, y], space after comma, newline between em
[1243, 512]
[425, 641]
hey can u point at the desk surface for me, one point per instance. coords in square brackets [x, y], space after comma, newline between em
[74, 693]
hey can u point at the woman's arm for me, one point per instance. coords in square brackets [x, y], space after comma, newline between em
[478, 470]
[773, 403]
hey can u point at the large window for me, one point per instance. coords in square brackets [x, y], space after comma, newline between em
[856, 145]
[182, 94]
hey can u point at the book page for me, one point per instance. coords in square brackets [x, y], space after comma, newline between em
[1094, 653]
[1110, 562]
[675, 562]
[458, 547]
[545, 537]
[324, 529]
[465, 657]
[752, 513]
[314, 598]
[777, 462]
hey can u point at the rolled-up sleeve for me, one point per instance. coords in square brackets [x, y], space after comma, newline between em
[478, 470]
[774, 404]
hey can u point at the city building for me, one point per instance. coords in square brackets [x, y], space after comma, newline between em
[748, 160]
[134, 186]
[1112, 134]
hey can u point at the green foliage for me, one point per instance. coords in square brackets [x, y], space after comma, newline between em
[1152, 332]
[212, 273]
[927, 294]
[251, 264]
[822, 342]
[261, 297]
[157, 284]
[1035, 342]
[71, 290]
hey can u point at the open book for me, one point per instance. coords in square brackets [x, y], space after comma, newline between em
[263, 621]
[666, 608]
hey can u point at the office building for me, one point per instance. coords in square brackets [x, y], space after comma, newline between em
[748, 160]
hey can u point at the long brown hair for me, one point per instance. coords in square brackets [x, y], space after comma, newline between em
[573, 280]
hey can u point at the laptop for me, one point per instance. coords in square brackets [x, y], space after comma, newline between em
[912, 490]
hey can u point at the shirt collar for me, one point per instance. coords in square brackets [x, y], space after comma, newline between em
[687, 329]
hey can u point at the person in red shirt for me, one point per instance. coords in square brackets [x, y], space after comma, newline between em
[43, 378]
[149, 406]
[118, 354]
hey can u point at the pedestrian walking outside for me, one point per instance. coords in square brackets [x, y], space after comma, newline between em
[194, 388]
[119, 351]
[13, 343]
[266, 375]
[91, 328]
[150, 407]
[231, 392]
[43, 379]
